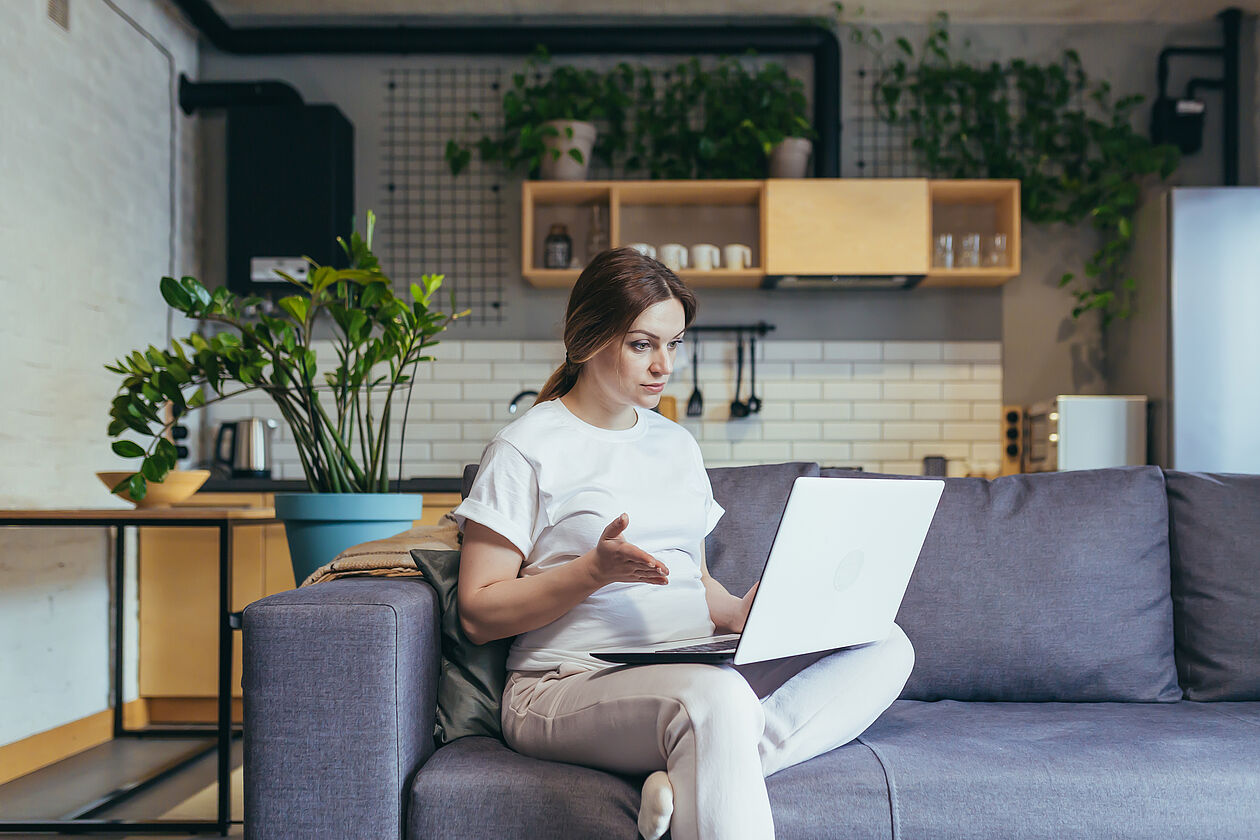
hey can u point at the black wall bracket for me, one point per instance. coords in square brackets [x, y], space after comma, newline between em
[502, 39]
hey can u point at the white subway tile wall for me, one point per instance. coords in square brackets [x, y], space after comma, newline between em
[881, 406]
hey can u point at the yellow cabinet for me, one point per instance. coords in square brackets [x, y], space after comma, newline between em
[179, 601]
[854, 226]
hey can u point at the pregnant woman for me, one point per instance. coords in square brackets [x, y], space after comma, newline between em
[584, 530]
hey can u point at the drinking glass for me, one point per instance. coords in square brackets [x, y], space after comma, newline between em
[969, 251]
[943, 250]
[995, 249]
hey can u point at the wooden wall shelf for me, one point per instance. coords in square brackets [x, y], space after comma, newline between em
[875, 221]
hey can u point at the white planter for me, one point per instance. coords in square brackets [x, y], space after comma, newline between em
[790, 158]
[572, 135]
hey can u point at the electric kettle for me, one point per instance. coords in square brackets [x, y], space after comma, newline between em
[249, 447]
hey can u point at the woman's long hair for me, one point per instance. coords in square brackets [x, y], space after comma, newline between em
[612, 291]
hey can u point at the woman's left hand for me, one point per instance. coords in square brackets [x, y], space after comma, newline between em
[741, 614]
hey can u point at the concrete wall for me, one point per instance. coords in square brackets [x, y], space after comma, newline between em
[85, 227]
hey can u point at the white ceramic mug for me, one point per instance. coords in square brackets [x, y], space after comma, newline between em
[674, 256]
[737, 256]
[706, 256]
[644, 249]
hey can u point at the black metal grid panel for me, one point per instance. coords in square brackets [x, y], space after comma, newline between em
[878, 149]
[457, 226]
[437, 222]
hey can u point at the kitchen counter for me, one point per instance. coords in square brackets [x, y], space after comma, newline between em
[297, 485]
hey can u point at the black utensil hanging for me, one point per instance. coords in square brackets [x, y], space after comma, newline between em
[695, 405]
[739, 409]
[754, 401]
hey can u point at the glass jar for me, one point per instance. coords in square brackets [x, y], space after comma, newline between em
[557, 248]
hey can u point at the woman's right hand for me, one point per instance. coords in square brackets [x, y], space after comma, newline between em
[614, 560]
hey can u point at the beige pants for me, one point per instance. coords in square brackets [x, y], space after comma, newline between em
[718, 730]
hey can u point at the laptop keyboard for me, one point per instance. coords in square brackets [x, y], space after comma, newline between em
[705, 647]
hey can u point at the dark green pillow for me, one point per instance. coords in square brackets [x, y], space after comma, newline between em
[470, 687]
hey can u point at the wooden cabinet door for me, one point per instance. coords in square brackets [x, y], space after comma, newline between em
[847, 226]
[179, 607]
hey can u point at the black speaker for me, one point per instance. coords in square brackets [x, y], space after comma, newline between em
[290, 191]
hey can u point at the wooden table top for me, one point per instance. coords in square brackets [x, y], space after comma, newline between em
[210, 515]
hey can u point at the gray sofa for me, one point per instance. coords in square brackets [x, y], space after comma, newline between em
[1088, 665]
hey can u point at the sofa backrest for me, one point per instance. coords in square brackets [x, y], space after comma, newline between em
[754, 498]
[1048, 587]
[1215, 545]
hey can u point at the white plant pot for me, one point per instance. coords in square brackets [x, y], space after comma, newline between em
[572, 135]
[790, 158]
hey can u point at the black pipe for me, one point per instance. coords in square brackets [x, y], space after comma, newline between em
[1231, 24]
[820, 43]
[196, 95]
[1231, 19]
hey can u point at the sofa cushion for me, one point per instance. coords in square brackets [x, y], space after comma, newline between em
[1215, 539]
[1054, 770]
[477, 787]
[1052, 586]
[470, 686]
[754, 498]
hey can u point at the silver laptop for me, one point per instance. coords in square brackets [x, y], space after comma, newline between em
[837, 571]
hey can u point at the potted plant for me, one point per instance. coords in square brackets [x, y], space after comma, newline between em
[552, 120]
[780, 123]
[721, 122]
[340, 418]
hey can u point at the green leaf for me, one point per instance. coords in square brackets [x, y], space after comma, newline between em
[175, 295]
[136, 487]
[296, 306]
[195, 289]
[126, 448]
[168, 453]
[197, 399]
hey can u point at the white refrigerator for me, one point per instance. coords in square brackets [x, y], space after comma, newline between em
[1192, 344]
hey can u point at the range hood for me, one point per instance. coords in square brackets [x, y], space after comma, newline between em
[842, 281]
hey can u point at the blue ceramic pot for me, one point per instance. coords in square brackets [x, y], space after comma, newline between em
[319, 526]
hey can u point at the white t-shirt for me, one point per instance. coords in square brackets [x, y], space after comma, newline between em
[550, 483]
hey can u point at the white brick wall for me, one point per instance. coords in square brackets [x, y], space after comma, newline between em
[84, 229]
[882, 406]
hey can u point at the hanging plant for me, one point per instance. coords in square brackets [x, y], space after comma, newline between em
[1060, 133]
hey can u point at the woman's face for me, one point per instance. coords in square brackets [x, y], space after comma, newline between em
[625, 371]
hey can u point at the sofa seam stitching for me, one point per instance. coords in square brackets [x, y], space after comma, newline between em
[398, 773]
[890, 783]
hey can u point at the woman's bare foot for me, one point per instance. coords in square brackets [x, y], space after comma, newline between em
[656, 807]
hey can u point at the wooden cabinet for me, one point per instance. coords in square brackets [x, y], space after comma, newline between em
[808, 226]
[656, 212]
[179, 601]
[983, 207]
[847, 226]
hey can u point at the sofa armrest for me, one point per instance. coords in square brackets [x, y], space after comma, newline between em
[340, 683]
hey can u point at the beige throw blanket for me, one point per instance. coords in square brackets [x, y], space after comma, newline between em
[390, 557]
